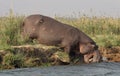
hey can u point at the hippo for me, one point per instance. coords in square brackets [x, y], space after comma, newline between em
[49, 31]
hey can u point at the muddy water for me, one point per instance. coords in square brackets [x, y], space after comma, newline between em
[96, 69]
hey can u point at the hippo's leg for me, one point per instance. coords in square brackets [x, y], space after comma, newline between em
[69, 50]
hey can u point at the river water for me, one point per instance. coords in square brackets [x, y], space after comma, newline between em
[94, 69]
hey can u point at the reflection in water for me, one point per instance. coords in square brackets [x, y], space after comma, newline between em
[96, 69]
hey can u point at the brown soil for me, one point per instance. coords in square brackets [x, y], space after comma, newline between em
[112, 54]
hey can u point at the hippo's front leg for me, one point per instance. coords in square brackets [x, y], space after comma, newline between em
[69, 51]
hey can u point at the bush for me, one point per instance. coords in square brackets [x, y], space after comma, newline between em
[16, 61]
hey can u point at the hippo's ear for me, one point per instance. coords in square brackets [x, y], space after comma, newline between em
[41, 19]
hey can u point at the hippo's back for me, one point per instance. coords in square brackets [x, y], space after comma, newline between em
[55, 32]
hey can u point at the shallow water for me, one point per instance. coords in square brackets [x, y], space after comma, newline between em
[95, 69]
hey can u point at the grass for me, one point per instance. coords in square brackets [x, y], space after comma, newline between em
[104, 30]
[10, 31]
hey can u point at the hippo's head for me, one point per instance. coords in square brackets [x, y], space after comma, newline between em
[90, 52]
[30, 26]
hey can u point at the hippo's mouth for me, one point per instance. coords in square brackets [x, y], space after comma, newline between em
[90, 59]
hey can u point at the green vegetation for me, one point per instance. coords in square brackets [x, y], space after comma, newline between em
[104, 30]
[10, 31]
[13, 60]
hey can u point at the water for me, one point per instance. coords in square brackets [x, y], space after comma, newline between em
[95, 69]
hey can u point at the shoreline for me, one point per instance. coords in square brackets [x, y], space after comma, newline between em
[26, 56]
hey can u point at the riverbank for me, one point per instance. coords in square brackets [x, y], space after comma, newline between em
[40, 55]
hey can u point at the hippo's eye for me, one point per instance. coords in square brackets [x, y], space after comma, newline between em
[38, 22]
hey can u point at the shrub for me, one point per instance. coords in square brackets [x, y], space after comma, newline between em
[16, 61]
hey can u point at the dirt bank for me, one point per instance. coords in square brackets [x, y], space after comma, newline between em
[40, 55]
[112, 54]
